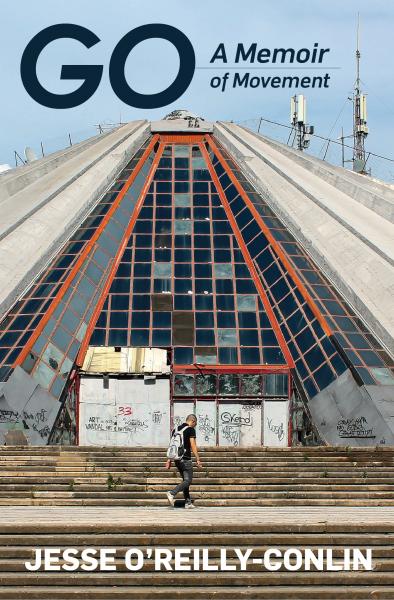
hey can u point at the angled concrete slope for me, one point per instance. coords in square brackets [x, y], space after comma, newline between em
[38, 218]
[375, 194]
[16, 179]
[352, 244]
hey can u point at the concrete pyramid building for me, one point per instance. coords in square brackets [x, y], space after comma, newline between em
[184, 266]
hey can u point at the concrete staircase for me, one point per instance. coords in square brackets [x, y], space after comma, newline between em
[230, 477]
[211, 528]
[260, 498]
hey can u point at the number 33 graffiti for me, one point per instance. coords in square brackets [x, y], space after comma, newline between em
[126, 411]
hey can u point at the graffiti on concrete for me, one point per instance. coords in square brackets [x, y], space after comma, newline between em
[231, 435]
[206, 427]
[355, 428]
[277, 430]
[235, 425]
[111, 424]
[228, 418]
[33, 420]
[157, 417]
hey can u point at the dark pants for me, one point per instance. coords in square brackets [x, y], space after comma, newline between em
[185, 468]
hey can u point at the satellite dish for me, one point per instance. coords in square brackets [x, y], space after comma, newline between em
[30, 155]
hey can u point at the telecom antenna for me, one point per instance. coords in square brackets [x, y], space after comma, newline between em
[302, 131]
[360, 129]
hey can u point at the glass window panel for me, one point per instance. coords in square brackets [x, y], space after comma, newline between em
[227, 337]
[203, 286]
[225, 302]
[182, 213]
[118, 320]
[161, 285]
[247, 320]
[140, 319]
[383, 376]
[181, 151]
[53, 356]
[275, 384]
[205, 355]
[161, 337]
[269, 338]
[202, 227]
[163, 200]
[251, 385]
[223, 271]
[205, 337]
[324, 376]
[202, 270]
[120, 302]
[43, 374]
[314, 358]
[118, 337]
[61, 338]
[198, 162]
[183, 241]
[201, 213]
[183, 286]
[202, 256]
[162, 255]
[204, 319]
[163, 187]
[183, 328]
[273, 356]
[226, 319]
[229, 384]
[142, 302]
[161, 319]
[370, 358]
[246, 303]
[182, 163]
[200, 187]
[160, 302]
[29, 362]
[204, 302]
[183, 270]
[305, 340]
[205, 385]
[183, 356]
[248, 337]
[200, 200]
[250, 356]
[140, 286]
[182, 174]
[183, 302]
[224, 286]
[162, 269]
[181, 200]
[182, 226]
[181, 186]
[183, 384]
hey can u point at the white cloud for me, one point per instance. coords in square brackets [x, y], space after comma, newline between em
[4, 167]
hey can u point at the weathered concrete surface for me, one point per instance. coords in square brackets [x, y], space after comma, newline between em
[63, 520]
[26, 406]
[40, 217]
[345, 413]
[377, 195]
[16, 179]
[351, 243]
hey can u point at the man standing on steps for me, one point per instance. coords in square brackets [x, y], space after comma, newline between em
[185, 464]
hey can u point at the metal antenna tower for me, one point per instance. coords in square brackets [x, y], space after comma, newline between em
[360, 129]
[302, 131]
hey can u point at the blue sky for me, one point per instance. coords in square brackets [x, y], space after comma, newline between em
[152, 65]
